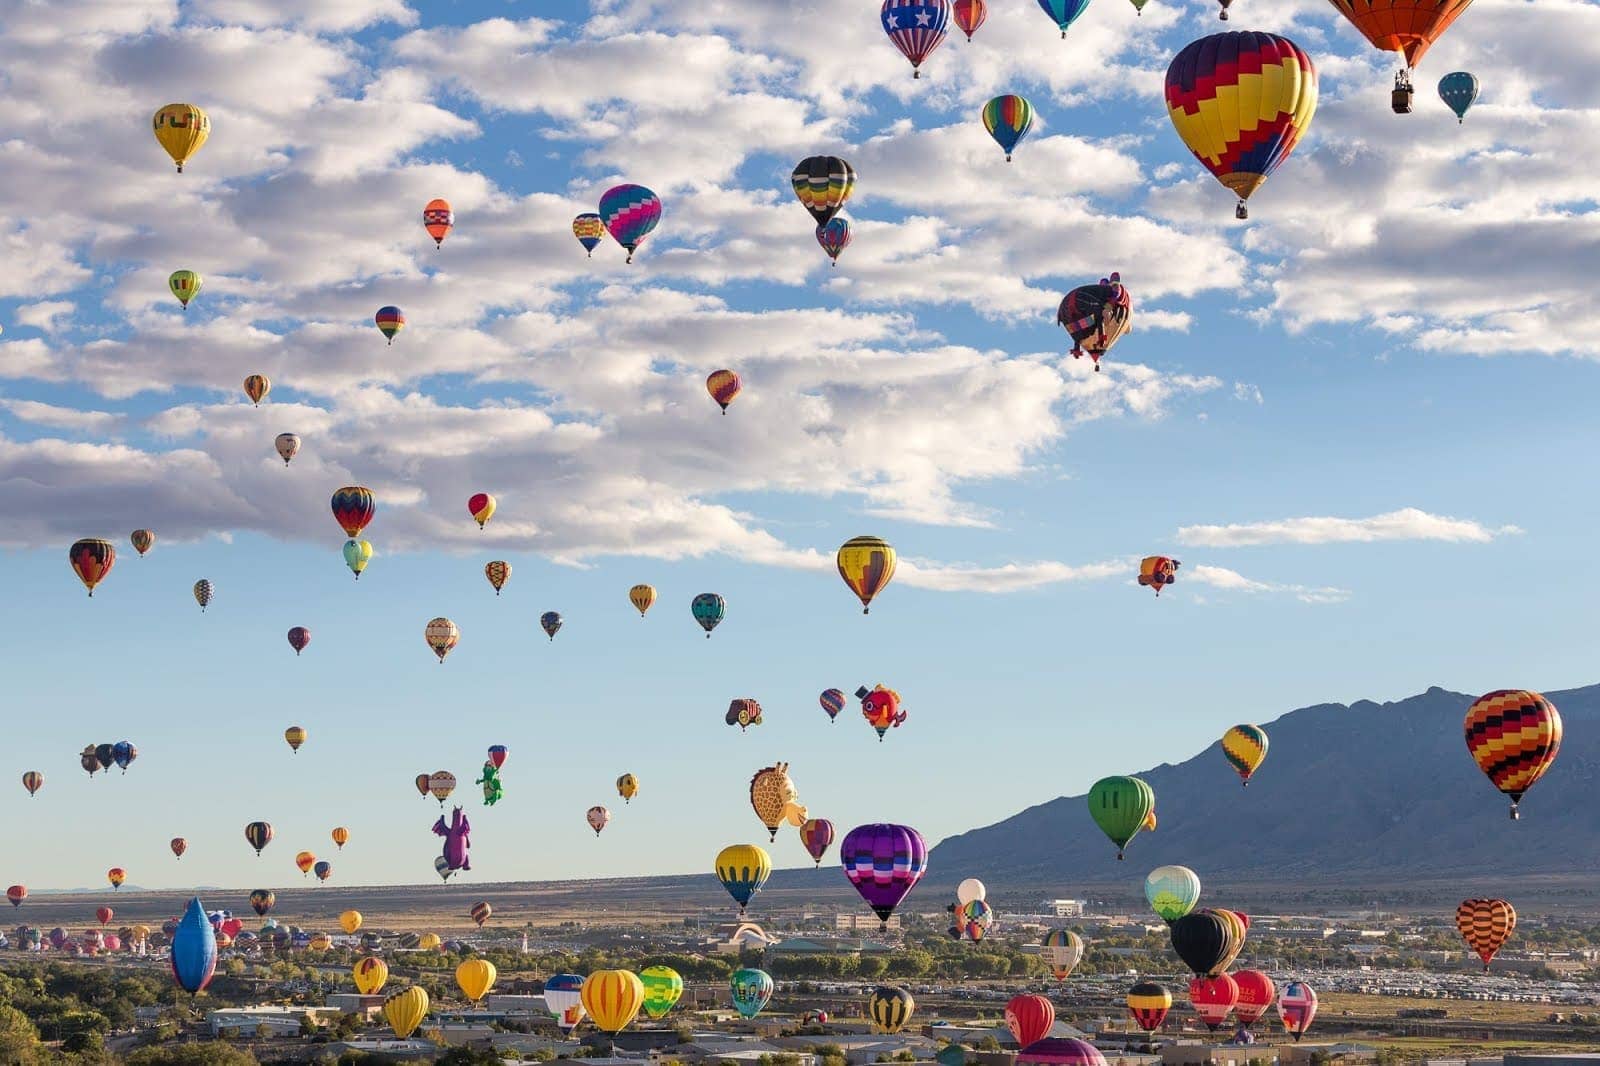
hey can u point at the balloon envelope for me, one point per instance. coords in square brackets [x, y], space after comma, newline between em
[194, 949]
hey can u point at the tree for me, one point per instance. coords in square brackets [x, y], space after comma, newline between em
[211, 1054]
[19, 1040]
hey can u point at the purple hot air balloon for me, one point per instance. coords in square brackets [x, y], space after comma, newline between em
[194, 949]
[1060, 1051]
[884, 862]
[457, 839]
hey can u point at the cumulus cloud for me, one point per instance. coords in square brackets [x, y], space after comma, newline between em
[1408, 523]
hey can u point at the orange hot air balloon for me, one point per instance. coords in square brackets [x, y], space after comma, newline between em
[294, 736]
[92, 559]
[1409, 27]
[1514, 736]
[1485, 924]
[424, 784]
[724, 387]
[438, 219]
[256, 386]
[116, 875]
[305, 860]
[341, 837]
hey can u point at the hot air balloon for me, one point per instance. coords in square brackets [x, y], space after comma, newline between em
[1241, 102]
[663, 987]
[186, 284]
[1297, 1006]
[92, 559]
[823, 184]
[294, 736]
[773, 798]
[1213, 998]
[305, 860]
[1514, 735]
[256, 387]
[1458, 90]
[916, 27]
[440, 784]
[1119, 806]
[16, 894]
[1063, 950]
[890, 1007]
[642, 596]
[259, 835]
[123, 753]
[750, 990]
[437, 219]
[116, 875]
[968, 15]
[708, 609]
[357, 554]
[598, 818]
[299, 637]
[1030, 1018]
[390, 320]
[884, 862]
[370, 974]
[481, 506]
[724, 387]
[630, 213]
[475, 977]
[104, 915]
[1486, 924]
[1156, 571]
[261, 901]
[590, 231]
[194, 949]
[442, 635]
[203, 591]
[1246, 748]
[1060, 1051]
[350, 921]
[182, 130]
[1207, 941]
[322, 870]
[627, 787]
[497, 755]
[87, 760]
[1148, 1003]
[832, 701]
[33, 781]
[105, 755]
[816, 835]
[743, 712]
[498, 572]
[612, 998]
[1096, 316]
[834, 237]
[441, 866]
[1172, 891]
[422, 784]
[867, 565]
[1064, 12]
[481, 912]
[563, 997]
[353, 508]
[881, 708]
[404, 1010]
[1256, 993]
[550, 622]
[743, 869]
[1409, 27]
[1008, 119]
[142, 540]
[288, 446]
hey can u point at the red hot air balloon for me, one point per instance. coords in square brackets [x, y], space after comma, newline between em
[104, 915]
[353, 507]
[299, 637]
[1213, 998]
[1256, 993]
[1030, 1018]
[968, 15]
[437, 218]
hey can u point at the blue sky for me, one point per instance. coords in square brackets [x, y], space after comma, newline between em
[1359, 419]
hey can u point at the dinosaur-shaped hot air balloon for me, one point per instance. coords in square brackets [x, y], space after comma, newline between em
[457, 839]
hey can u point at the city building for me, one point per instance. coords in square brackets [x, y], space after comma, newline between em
[277, 1021]
[864, 923]
[1068, 908]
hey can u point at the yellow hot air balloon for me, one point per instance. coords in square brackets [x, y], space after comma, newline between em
[475, 977]
[627, 787]
[350, 921]
[294, 736]
[405, 1010]
[867, 565]
[256, 386]
[185, 285]
[429, 942]
[305, 861]
[181, 129]
[371, 975]
[321, 942]
[613, 998]
[642, 596]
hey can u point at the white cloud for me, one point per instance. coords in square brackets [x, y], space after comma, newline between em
[56, 417]
[1408, 523]
[42, 315]
[1232, 581]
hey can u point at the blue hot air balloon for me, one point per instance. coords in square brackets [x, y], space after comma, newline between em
[1458, 89]
[194, 949]
[751, 991]
[709, 609]
[1064, 12]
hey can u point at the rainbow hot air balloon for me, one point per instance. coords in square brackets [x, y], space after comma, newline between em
[92, 559]
[438, 219]
[890, 1007]
[1486, 924]
[867, 565]
[404, 1010]
[1172, 891]
[630, 213]
[1062, 951]
[834, 237]
[1458, 90]
[743, 869]
[194, 949]
[1241, 102]
[33, 781]
[498, 571]
[724, 387]
[832, 701]
[590, 231]
[1064, 12]
[1245, 747]
[968, 15]
[751, 991]
[1148, 1004]
[550, 622]
[258, 835]
[1008, 120]
[287, 445]
[390, 320]
[371, 974]
[1256, 993]
[1514, 736]
[185, 285]
[663, 987]
[1409, 27]
[475, 977]
[142, 540]
[642, 596]
[1096, 317]
[823, 184]
[816, 835]
[916, 27]
[1119, 806]
[884, 862]
[481, 507]
[353, 508]
[1156, 571]
[441, 635]
[1297, 1006]
[294, 736]
[1213, 998]
[613, 999]
[708, 609]
[181, 129]
[299, 638]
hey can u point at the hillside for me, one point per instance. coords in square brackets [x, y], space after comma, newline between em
[1362, 794]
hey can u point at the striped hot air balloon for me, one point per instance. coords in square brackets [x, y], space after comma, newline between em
[1514, 736]
[1148, 1003]
[724, 387]
[438, 219]
[1008, 119]
[1486, 924]
[613, 999]
[969, 15]
[916, 27]
[823, 184]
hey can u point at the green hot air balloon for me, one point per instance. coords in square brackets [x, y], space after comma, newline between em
[1172, 891]
[751, 990]
[1119, 806]
[662, 989]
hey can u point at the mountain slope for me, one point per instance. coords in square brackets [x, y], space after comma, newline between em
[1368, 791]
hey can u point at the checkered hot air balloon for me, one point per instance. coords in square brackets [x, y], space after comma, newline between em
[437, 219]
[630, 213]
[916, 27]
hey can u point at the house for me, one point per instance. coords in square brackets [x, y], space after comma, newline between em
[355, 1003]
[859, 1050]
[420, 1050]
[277, 1021]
